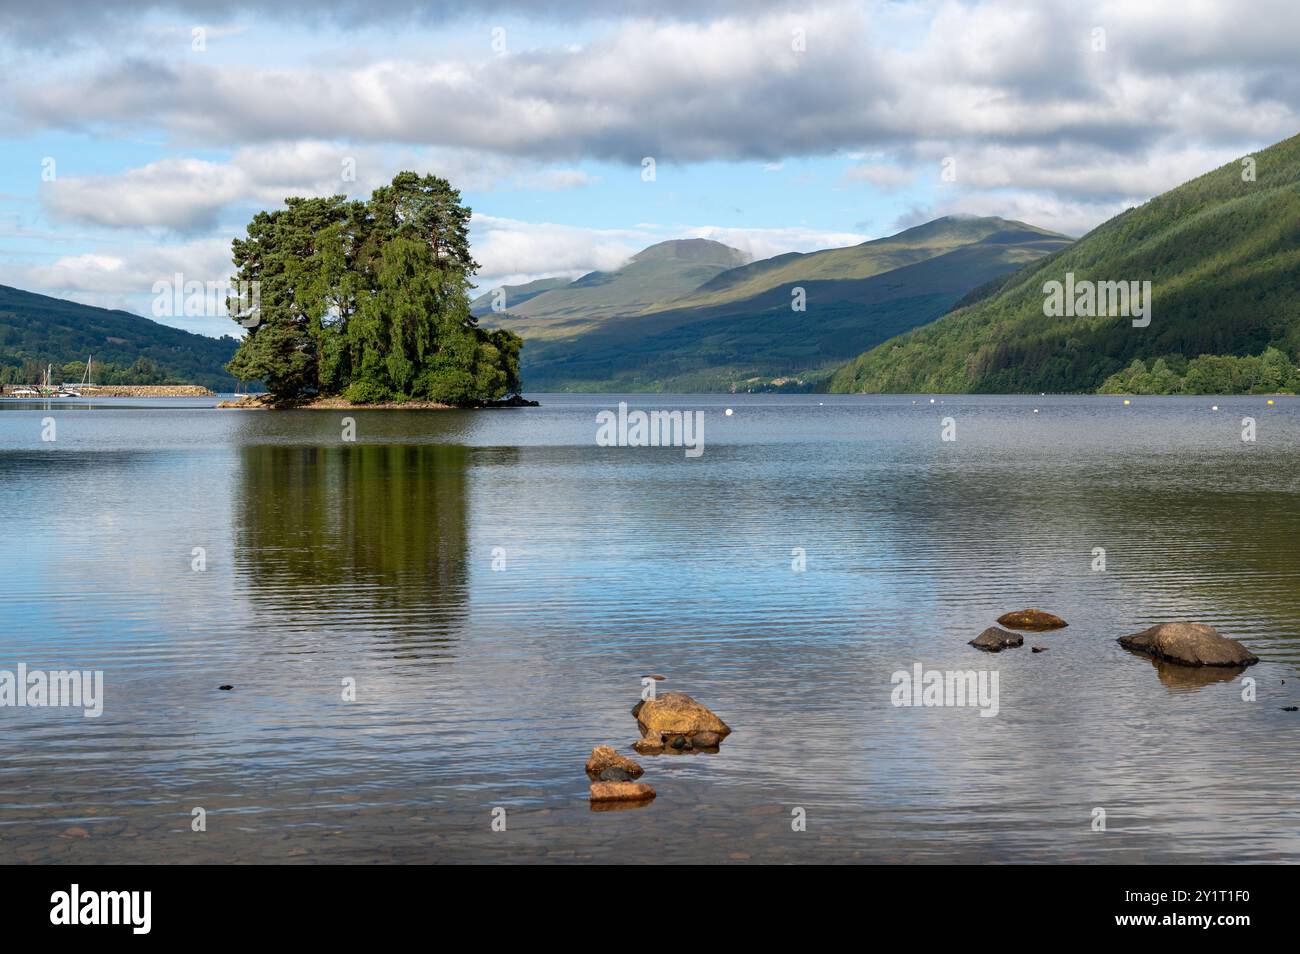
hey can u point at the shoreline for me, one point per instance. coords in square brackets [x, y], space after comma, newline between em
[263, 402]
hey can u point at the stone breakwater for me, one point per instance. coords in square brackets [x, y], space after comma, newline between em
[132, 390]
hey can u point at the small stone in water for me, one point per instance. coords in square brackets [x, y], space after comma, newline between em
[225, 688]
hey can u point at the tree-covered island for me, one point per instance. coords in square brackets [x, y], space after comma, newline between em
[368, 301]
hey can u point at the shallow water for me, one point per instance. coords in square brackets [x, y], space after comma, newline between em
[480, 689]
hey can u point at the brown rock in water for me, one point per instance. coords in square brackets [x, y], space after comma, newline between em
[648, 746]
[1038, 649]
[604, 757]
[995, 640]
[1190, 644]
[1031, 619]
[671, 716]
[621, 792]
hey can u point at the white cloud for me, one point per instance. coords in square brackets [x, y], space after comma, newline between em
[125, 278]
[189, 195]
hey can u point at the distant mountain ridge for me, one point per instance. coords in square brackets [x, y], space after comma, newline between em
[1222, 253]
[740, 327]
[38, 330]
[664, 270]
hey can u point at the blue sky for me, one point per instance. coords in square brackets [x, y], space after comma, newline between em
[773, 128]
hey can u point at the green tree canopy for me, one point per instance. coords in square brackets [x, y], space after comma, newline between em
[369, 300]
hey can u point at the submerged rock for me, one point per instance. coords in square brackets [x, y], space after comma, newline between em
[1038, 649]
[995, 640]
[648, 746]
[1190, 644]
[621, 792]
[1031, 619]
[675, 719]
[604, 757]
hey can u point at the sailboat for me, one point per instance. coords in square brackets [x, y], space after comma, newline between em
[66, 390]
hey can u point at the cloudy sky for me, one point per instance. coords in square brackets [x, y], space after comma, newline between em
[137, 138]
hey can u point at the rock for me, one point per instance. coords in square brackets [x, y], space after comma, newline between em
[673, 715]
[225, 688]
[995, 640]
[648, 746]
[1190, 644]
[706, 740]
[1291, 708]
[1031, 619]
[655, 676]
[604, 757]
[1038, 649]
[621, 792]
[515, 400]
[614, 774]
[76, 831]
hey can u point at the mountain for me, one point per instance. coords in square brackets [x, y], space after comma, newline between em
[738, 329]
[37, 330]
[544, 309]
[1222, 253]
[514, 295]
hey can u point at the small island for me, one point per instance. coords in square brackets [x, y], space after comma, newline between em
[366, 304]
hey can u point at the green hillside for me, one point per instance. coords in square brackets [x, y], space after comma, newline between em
[860, 261]
[515, 295]
[738, 329]
[1223, 257]
[656, 274]
[37, 330]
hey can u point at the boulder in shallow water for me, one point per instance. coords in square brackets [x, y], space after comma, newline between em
[995, 640]
[604, 757]
[621, 792]
[648, 747]
[674, 718]
[1035, 619]
[1189, 644]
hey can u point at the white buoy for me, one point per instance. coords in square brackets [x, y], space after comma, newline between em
[728, 412]
[1215, 408]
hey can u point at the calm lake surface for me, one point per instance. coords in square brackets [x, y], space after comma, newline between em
[481, 688]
